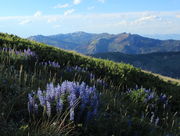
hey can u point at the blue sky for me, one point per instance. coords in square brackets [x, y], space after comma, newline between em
[32, 17]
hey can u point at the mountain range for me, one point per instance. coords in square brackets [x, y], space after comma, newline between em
[89, 43]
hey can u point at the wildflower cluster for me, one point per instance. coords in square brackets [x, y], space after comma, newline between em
[25, 52]
[151, 102]
[76, 68]
[51, 64]
[147, 95]
[101, 82]
[90, 75]
[79, 98]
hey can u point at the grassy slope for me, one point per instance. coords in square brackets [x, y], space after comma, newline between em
[122, 74]
[162, 63]
[165, 78]
[114, 104]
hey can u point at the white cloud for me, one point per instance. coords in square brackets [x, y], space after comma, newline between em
[38, 14]
[76, 2]
[134, 22]
[102, 1]
[68, 12]
[62, 5]
[23, 22]
[146, 19]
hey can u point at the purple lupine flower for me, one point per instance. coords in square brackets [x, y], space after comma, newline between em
[94, 104]
[72, 98]
[74, 91]
[30, 99]
[163, 98]
[30, 103]
[41, 97]
[57, 91]
[76, 68]
[145, 100]
[4, 49]
[147, 91]
[69, 87]
[151, 96]
[68, 69]
[136, 87]
[100, 81]
[83, 96]
[129, 90]
[79, 69]
[25, 52]
[48, 108]
[50, 92]
[51, 64]
[82, 86]
[77, 89]
[17, 53]
[54, 64]
[59, 105]
[64, 87]
[28, 52]
[92, 76]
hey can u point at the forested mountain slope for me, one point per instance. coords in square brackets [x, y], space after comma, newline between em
[167, 64]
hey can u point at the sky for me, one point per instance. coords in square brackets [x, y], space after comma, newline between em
[47, 17]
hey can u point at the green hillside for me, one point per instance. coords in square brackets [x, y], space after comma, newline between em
[166, 63]
[45, 90]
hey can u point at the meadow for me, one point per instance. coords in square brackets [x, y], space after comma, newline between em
[48, 91]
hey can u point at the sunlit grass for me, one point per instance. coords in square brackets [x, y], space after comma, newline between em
[165, 78]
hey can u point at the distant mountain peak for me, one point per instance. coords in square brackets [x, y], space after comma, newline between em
[90, 43]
